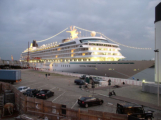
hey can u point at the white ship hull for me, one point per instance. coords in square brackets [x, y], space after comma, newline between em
[118, 69]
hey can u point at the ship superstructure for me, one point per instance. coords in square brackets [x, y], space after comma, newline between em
[78, 50]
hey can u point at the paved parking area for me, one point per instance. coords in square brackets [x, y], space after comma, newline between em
[66, 92]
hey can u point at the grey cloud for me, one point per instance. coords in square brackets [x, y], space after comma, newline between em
[152, 4]
[127, 22]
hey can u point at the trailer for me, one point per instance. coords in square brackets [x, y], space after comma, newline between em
[10, 76]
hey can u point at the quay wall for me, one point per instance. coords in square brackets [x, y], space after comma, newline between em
[114, 81]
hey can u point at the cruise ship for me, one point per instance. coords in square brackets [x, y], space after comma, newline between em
[85, 55]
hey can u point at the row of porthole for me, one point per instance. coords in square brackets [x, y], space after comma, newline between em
[65, 65]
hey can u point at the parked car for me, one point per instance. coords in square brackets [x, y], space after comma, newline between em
[97, 80]
[31, 92]
[79, 82]
[82, 77]
[89, 101]
[23, 88]
[44, 94]
[134, 110]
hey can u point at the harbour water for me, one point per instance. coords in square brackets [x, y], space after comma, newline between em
[147, 75]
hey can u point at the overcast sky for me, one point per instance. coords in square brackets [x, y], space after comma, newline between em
[129, 22]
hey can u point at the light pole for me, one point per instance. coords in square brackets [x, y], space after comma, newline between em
[157, 51]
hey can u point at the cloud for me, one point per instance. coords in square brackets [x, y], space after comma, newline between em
[149, 33]
[153, 3]
[92, 18]
[125, 34]
[127, 22]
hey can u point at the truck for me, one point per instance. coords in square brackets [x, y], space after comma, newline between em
[134, 111]
[10, 76]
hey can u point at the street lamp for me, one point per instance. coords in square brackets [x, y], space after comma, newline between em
[157, 51]
[143, 81]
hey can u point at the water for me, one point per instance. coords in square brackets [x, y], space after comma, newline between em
[147, 74]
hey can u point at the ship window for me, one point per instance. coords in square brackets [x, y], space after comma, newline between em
[68, 43]
[93, 40]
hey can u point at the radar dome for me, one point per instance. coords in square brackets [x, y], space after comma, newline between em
[93, 33]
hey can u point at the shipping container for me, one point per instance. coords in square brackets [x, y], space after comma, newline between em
[10, 76]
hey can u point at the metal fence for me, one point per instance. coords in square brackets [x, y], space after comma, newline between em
[54, 111]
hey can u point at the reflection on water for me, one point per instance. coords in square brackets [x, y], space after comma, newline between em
[147, 74]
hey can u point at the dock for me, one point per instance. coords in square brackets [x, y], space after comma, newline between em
[12, 64]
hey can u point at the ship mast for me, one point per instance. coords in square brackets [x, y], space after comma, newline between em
[28, 55]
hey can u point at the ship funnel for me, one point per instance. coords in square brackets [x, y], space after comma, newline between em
[157, 43]
[158, 13]
[35, 44]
